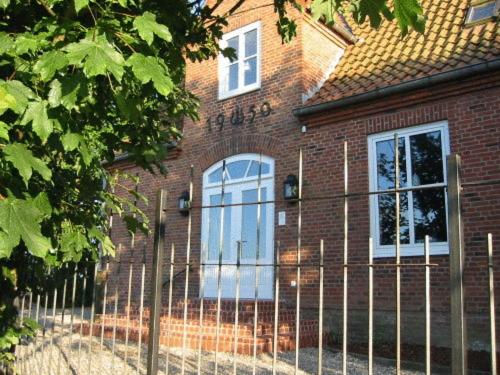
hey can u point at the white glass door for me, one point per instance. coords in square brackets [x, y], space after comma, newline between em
[241, 227]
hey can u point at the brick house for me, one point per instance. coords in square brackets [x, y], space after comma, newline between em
[439, 91]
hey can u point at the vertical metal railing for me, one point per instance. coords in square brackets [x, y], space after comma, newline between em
[491, 294]
[187, 269]
[52, 350]
[219, 267]
[345, 262]
[456, 241]
[299, 260]
[156, 285]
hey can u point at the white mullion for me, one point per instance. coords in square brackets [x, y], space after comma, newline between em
[241, 61]
[409, 183]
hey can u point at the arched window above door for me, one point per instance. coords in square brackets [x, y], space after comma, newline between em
[240, 168]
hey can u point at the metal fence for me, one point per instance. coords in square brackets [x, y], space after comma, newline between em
[113, 334]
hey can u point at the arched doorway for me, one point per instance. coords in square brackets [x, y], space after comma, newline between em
[241, 226]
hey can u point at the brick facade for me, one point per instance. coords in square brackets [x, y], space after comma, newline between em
[290, 73]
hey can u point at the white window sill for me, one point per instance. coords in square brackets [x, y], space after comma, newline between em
[241, 91]
[439, 248]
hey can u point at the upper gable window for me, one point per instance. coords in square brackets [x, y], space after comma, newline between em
[481, 11]
[243, 74]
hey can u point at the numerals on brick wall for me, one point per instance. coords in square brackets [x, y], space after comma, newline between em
[239, 116]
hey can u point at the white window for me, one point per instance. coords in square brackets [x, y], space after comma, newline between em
[422, 163]
[246, 229]
[243, 74]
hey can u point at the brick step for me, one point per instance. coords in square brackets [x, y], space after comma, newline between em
[225, 316]
[245, 345]
[225, 306]
[244, 328]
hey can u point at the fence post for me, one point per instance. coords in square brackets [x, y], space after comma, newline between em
[156, 285]
[456, 241]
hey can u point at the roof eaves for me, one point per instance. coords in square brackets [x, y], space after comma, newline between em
[419, 83]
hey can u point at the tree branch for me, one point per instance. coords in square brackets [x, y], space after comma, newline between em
[47, 8]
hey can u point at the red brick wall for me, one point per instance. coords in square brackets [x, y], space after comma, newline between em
[472, 109]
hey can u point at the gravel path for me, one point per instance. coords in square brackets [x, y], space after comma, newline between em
[64, 357]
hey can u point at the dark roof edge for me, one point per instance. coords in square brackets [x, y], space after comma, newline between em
[399, 88]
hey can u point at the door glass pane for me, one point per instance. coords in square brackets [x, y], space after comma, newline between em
[251, 43]
[386, 166]
[429, 213]
[426, 158]
[254, 169]
[387, 222]
[250, 71]
[237, 169]
[214, 227]
[233, 76]
[249, 225]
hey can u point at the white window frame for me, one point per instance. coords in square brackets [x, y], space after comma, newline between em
[223, 62]
[412, 249]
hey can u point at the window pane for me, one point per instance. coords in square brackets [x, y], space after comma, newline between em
[426, 158]
[385, 164]
[254, 169]
[232, 77]
[214, 227]
[237, 169]
[251, 43]
[234, 44]
[250, 71]
[249, 225]
[215, 176]
[387, 222]
[429, 213]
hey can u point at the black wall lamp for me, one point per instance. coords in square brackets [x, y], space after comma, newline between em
[291, 188]
[184, 203]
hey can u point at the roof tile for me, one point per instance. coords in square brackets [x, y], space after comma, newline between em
[383, 58]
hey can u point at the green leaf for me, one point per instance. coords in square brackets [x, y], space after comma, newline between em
[70, 141]
[6, 42]
[24, 161]
[97, 57]
[106, 244]
[73, 241]
[4, 3]
[66, 91]
[41, 201]
[7, 101]
[80, 4]
[20, 219]
[373, 9]
[4, 131]
[37, 115]
[147, 27]
[49, 64]
[25, 43]
[409, 13]
[323, 9]
[18, 91]
[149, 68]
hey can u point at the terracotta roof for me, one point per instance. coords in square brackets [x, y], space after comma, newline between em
[383, 58]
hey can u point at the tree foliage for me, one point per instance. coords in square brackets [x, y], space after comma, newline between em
[84, 80]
